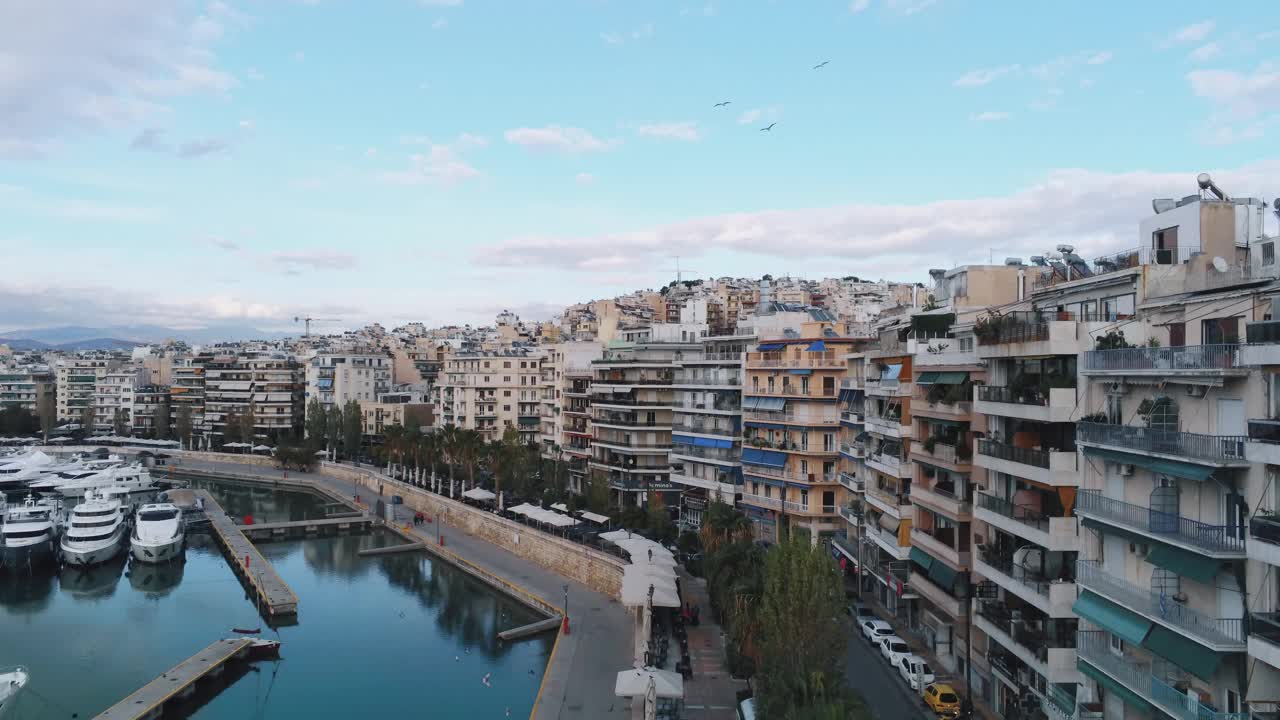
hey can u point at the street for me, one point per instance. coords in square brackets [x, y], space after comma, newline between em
[883, 690]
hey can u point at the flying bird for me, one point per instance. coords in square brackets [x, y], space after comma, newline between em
[821, 64]
[722, 104]
[769, 128]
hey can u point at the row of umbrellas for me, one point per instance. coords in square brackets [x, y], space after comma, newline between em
[652, 567]
[549, 517]
[255, 448]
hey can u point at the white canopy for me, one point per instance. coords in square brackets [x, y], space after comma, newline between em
[561, 507]
[635, 593]
[662, 583]
[616, 535]
[261, 447]
[593, 517]
[479, 494]
[636, 682]
[236, 445]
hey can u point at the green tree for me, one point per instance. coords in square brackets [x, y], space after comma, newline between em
[504, 456]
[86, 419]
[15, 420]
[352, 428]
[47, 412]
[231, 428]
[447, 443]
[802, 638]
[597, 492]
[120, 422]
[248, 426]
[161, 419]
[183, 425]
[317, 425]
[333, 427]
[470, 452]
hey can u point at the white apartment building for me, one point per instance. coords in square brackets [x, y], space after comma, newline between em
[336, 378]
[24, 386]
[491, 391]
[566, 414]
[77, 383]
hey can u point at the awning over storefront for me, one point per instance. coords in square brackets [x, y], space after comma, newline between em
[1184, 563]
[921, 558]
[767, 458]
[1106, 681]
[1160, 466]
[1183, 652]
[1115, 619]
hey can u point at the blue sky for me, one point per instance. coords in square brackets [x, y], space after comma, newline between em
[442, 159]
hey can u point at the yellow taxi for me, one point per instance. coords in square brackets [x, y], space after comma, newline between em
[942, 700]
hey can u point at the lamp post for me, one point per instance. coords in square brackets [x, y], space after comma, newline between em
[566, 608]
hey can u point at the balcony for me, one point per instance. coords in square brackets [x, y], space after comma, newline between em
[815, 510]
[1031, 334]
[1052, 533]
[1030, 644]
[851, 417]
[1264, 638]
[630, 402]
[789, 390]
[890, 427]
[940, 546]
[1192, 360]
[707, 378]
[1264, 535]
[1051, 596]
[1056, 405]
[942, 500]
[957, 458]
[1219, 541]
[851, 482]
[704, 426]
[1145, 679]
[888, 387]
[851, 383]
[789, 418]
[824, 359]
[925, 588]
[890, 465]
[718, 404]
[886, 501]
[761, 501]
[852, 450]
[1216, 450]
[851, 515]
[1264, 441]
[888, 541]
[1047, 467]
[697, 452]
[1220, 634]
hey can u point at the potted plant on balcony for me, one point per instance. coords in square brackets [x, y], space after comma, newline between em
[929, 443]
[1096, 417]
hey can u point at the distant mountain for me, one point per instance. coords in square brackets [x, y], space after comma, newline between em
[128, 336]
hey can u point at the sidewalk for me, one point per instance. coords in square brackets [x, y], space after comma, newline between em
[580, 677]
[711, 694]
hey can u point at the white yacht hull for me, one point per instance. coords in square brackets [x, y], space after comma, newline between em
[81, 554]
[76, 491]
[156, 552]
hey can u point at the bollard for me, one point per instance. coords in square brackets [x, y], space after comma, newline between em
[441, 541]
[566, 625]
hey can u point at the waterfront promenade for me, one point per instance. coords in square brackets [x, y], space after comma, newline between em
[580, 678]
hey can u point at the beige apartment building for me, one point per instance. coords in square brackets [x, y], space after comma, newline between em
[491, 391]
[77, 384]
[27, 387]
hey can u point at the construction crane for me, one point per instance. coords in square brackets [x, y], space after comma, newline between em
[308, 320]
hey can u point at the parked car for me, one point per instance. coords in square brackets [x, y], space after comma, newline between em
[859, 612]
[942, 700]
[892, 648]
[873, 630]
[915, 671]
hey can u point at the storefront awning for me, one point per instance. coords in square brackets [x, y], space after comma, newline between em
[1106, 681]
[1115, 619]
[767, 458]
[1184, 563]
[922, 558]
[1183, 652]
[1160, 466]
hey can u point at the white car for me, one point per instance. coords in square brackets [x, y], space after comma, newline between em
[893, 648]
[915, 670]
[873, 630]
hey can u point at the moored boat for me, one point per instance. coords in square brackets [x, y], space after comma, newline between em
[96, 531]
[158, 533]
[29, 534]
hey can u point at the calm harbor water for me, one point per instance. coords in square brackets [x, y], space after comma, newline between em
[396, 634]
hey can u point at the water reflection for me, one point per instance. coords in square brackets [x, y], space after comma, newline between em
[263, 502]
[93, 583]
[27, 593]
[155, 580]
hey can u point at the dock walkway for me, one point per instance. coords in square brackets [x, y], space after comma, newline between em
[359, 521]
[277, 600]
[149, 700]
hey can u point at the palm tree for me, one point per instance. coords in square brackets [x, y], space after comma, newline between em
[471, 450]
[393, 443]
[447, 441]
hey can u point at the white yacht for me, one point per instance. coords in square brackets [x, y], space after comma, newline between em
[130, 478]
[17, 472]
[95, 532]
[12, 680]
[29, 534]
[158, 533]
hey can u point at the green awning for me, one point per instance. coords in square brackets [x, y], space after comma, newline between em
[1111, 617]
[1183, 652]
[1183, 562]
[943, 575]
[951, 378]
[1113, 686]
[1102, 527]
[927, 378]
[1161, 466]
[921, 558]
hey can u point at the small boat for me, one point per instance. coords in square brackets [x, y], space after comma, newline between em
[12, 680]
[96, 531]
[29, 535]
[158, 533]
[243, 631]
[262, 649]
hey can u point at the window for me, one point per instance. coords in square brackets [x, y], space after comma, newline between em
[506, 393]
[1117, 645]
[1268, 253]
[1114, 416]
[1220, 331]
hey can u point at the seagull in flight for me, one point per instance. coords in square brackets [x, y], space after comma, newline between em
[722, 104]
[769, 128]
[821, 64]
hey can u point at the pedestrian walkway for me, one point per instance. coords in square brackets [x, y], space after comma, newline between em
[711, 694]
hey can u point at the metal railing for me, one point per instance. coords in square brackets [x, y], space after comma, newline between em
[706, 453]
[1014, 327]
[762, 501]
[944, 452]
[1263, 430]
[806, 360]
[888, 498]
[850, 481]
[852, 449]
[1167, 359]
[1214, 538]
[691, 377]
[1022, 456]
[1220, 631]
[704, 427]
[786, 417]
[605, 418]
[631, 401]
[850, 383]
[1265, 528]
[1021, 513]
[1214, 448]
[1003, 562]
[1263, 332]
[789, 390]
[1000, 394]
[1266, 626]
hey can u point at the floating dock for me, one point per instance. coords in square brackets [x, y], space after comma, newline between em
[393, 549]
[306, 528]
[272, 593]
[179, 683]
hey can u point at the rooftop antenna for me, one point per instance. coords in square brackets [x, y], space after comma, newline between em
[1206, 183]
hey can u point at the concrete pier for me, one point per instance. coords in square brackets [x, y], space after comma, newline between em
[272, 593]
[407, 547]
[149, 701]
[541, 626]
[306, 528]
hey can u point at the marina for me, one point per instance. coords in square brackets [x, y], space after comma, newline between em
[178, 683]
[273, 595]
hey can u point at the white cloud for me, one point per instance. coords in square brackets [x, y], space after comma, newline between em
[1242, 94]
[371, 152]
[858, 6]
[440, 165]
[618, 38]
[255, 75]
[584, 178]
[153, 139]
[978, 78]
[1205, 52]
[246, 124]
[466, 141]
[201, 147]
[1096, 211]
[440, 24]
[687, 131]
[991, 116]
[1190, 34]
[556, 137]
[319, 259]
[299, 56]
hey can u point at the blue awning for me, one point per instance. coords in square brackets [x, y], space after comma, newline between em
[767, 404]
[758, 423]
[891, 372]
[701, 441]
[816, 346]
[749, 403]
[764, 479]
[767, 458]
[800, 371]
[324, 383]
[768, 347]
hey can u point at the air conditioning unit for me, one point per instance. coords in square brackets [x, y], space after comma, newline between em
[1197, 391]
[1126, 470]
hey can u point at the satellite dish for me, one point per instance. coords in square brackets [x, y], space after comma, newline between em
[1220, 264]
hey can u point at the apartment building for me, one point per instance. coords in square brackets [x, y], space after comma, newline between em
[114, 393]
[491, 391]
[77, 384]
[632, 401]
[378, 415]
[148, 400]
[338, 378]
[706, 437]
[566, 422]
[267, 384]
[791, 428]
[27, 387]
[187, 395]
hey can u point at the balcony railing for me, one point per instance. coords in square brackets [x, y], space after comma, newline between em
[850, 481]
[1192, 358]
[1003, 562]
[1263, 331]
[889, 497]
[1175, 528]
[1145, 679]
[1267, 431]
[762, 501]
[784, 474]
[805, 360]
[999, 394]
[1210, 630]
[1265, 528]
[706, 453]
[786, 417]
[789, 390]
[1020, 455]
[1013, 328]
[1265, 626]
[1212, 448]
[1028, 516]
[852, 450]
[850, 383]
